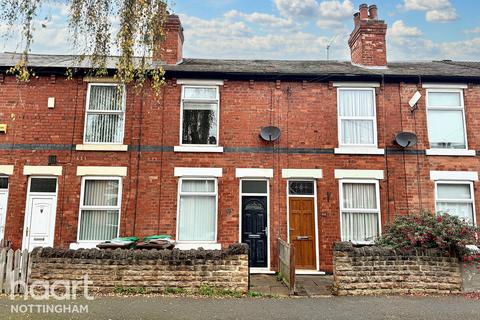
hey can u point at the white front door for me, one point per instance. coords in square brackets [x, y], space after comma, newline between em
[3, 211]
[40, 213]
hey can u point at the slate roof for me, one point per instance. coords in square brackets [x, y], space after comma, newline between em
[317, 68]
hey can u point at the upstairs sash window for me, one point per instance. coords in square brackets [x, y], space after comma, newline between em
[200, 106]
[357, 117]
[105, 116]
[446, 119]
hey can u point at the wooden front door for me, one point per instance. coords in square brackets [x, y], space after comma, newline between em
[302, 231]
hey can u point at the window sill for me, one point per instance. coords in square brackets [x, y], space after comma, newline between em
[363, 243]
[359, 150]
[84, 245]
[101, 147]
[198, 149]
[450, 152]
[206, 246]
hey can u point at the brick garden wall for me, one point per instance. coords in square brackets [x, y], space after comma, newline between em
[151, 270]
[374, 270]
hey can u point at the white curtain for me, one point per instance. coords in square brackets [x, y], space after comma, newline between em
[359, 226]
[446, 129]
[107, 98]
[197, 218]
[197, 212]
[101, 193]
[357, 132]
[357, 103]
[359, 196]
[99, 224]
[198, 186]
[462, 210]
[448, 193]
[104, 127]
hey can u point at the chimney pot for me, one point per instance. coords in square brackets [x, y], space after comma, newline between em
[367, 41]
[363, 11]
[373, 12]
[356, 19]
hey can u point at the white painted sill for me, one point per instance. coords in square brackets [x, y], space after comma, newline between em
[450, 152]
[192, 246]
[198, 149]
[84, 245]
[261, 271]
[359, 150]
[101, 147]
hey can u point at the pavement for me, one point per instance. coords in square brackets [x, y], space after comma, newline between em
[305, 285]
[328, 308]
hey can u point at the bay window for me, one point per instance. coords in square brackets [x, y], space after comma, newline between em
[105, 114]
[456, 198]
[200, 108]
[99, 209]
[446, 119]
[197, 214]
[359, 210]
[357, 123]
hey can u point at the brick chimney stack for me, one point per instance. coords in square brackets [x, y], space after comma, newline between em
[170, 49]
[367, 41]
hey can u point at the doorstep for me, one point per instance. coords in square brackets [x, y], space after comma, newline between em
[309, 272]
[261, 271]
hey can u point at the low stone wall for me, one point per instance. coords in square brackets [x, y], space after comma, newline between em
[374, 270]
[148, 270]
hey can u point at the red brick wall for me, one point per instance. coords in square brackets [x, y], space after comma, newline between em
[306, 113]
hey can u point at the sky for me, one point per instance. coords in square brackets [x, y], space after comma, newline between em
[299, 29]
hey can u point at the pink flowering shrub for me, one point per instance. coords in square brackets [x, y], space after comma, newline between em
[427, 231]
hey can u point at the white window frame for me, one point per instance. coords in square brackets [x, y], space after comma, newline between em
[216, 100]
[447, 108]
[471, 200]
[83, 207]
[341, 182]
[119, 112]
[205, 194]
[340, 118]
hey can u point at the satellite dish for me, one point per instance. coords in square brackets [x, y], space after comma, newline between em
[406, 139]
[270, 133]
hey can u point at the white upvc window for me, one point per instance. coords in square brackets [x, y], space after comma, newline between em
[357, 122]
[359, 210]
[199, 115]
[105, 114]
[446, 119]
[100, 207]
[197, 210]
[455, 198]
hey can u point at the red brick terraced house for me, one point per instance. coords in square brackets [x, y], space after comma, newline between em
[82, 162]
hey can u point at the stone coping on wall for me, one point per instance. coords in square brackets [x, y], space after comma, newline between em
[144, 254]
